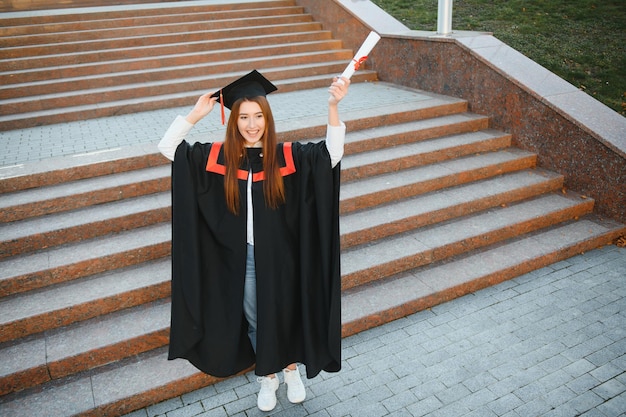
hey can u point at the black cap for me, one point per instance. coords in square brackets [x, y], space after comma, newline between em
[250, 85]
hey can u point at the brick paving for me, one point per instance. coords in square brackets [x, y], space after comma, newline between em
[549, 343]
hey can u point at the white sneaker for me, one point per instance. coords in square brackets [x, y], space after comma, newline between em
[267, 395]
[295, 388]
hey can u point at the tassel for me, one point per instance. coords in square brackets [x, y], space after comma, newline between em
[222, 108]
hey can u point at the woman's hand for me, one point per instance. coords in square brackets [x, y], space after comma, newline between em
[338, 90]
[203, 106]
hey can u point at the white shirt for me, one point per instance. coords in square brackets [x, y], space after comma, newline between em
[179, 129]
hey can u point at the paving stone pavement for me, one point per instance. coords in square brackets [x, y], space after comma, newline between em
[549, 343]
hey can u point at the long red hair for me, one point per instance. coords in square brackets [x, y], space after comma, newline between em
[235, 151]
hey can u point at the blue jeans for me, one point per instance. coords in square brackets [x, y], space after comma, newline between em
[249, 296]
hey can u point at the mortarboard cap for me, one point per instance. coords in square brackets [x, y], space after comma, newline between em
[253, 84]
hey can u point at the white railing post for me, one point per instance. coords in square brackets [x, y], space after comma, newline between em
[444, 17]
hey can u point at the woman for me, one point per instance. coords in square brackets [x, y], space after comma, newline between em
[255, 243]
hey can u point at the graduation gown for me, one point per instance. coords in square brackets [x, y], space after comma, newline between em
[297, 263]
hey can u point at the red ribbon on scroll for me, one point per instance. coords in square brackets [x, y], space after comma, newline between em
[358, 63]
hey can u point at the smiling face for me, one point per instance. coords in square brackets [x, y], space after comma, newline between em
[251, 123]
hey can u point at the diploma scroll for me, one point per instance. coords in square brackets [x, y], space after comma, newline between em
[361, 55]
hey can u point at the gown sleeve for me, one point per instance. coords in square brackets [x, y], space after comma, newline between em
[320, 258]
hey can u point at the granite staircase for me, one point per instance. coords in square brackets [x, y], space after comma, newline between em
[434, 205]
[64, 67]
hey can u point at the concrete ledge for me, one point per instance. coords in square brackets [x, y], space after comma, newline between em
[599, 120]
[572, 133]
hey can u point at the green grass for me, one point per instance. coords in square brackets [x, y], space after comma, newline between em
[582, 41]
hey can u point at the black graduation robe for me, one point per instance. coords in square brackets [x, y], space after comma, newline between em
[296, 256]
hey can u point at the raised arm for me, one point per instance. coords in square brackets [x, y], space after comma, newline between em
[336, 130]
[181, 126]
[338, 90]
[203, 106]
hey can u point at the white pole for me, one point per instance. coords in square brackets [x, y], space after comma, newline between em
[444, 17]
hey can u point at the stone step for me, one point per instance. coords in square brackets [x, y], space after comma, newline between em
[42, 232]
[361, 120]
[137, 382]
[151, 30]
[84, 345]
[386, 257]
[78, 259]
[118, 86]
[89, 344]
[56, 189]
[129, 19]
[33, 312]
[412, 155]
[388, 135]
[65, 91]
[29, 68]
[102, 295]
[20, 234]
[375, 138]
[86, 46]
[381, 189]
[82, 259]
[382, 301]
[90, 164]
[42, 6]
[87, 14]
[375, 259]
[132, 383]
[99, 215]
[49, 81]
[163, 94]
[430, 115]
[80, 193]
[398, 217]
[48, 78]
